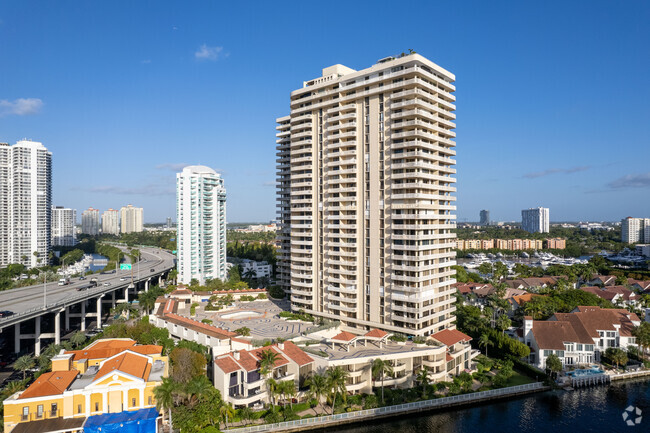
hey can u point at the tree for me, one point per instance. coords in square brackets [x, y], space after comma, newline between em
[485, 268]
[318, 387]
[197, 389]
[553, 364]
[266, 364]
[423, 379]
[250, 274]
[336, 378]
[226, 412]
[287, 388]
[616, 355]
[503, 322]
[186, 364]
[381, 368]
[484, 341]
[642, 334]
[12, 387]
[78, 338]
[23, 364]
[164, 394]
[246, 413]
[243, 331]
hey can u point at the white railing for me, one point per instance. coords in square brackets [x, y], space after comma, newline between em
[406, 407]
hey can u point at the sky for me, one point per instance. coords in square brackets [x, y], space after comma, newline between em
[553, 97]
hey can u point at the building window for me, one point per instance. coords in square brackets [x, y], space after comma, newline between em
[78, 408]
[96, 407]
[25, 416]
[39, 411]
[54, 409]
[149, 401]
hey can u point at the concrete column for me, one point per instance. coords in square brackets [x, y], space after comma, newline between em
[99, 312]
[126, 294]
[87, 404]
[125, 400]
[113, 299]
[17, 338]
[105, 402]
[160, 278]
[67, 318]
[83, 315]
[37, 337]
[146, 285]
[142, 402]
[57, 328]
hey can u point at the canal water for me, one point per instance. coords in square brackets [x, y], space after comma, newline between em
[595, 409]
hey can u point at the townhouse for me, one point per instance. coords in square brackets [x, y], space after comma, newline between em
[617, 295]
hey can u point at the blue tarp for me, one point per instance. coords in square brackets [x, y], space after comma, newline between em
[141, 421]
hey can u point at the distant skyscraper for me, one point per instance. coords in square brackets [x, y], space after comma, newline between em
[25, 203]
[485, 218]
[201, 224]
[535, 220]
[111, 222]
[131, 219]
[63, 230]
[366, 196]
[634, 230]
[169, 222]
[90, 221]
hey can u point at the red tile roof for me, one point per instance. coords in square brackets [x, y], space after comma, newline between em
[376, 333]
[344, 336]
[249, 359]
[53, 383]
[179, 292]
[449, 337]
[129, 363]
[296, 354]
[227, 364]
[201, 327]
[102, 353]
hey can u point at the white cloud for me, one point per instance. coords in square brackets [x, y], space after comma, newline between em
[206, 52]
[20, 106]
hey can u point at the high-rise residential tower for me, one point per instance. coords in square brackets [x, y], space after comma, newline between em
[63, 230]
[485, 218]
[634, 230]
[535, 220]
[131, 219]
[90, 221]
[365, 196]
[200, 224]
[111, 222]
[25, 203]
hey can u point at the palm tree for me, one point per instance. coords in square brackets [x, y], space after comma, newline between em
[250, 274]
[11, 388]
[147, 300]
[423, 378]
[288, 389]
[197, 388]
[23, 364]
[642, 334]
[78, 338]
[172, 275]
[164, 394]
[226, 411]
[336, 378]
[484, 340]
[266, 363]
[381, 368]
[318, 387]
[246, 413]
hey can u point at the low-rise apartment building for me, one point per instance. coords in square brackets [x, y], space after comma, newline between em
[579, 337]
[108, 376]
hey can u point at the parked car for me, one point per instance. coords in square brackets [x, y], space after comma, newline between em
[6, 313]
[152, 270]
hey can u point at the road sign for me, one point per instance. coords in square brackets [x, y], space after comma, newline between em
[174, 252]
[125, 266]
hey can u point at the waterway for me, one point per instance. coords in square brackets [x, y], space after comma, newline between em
[595, 409]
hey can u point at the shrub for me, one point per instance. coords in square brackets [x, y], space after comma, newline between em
[398, 337]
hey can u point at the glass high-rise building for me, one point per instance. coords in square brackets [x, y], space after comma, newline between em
[63, 226]
[25, 203]
[201, 224]
[535, 220]
[366, 196]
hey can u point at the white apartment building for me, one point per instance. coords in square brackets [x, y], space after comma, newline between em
[131, 219]
[25, 203]
[535, 220]
[201, 224]
[365, 196]
[63, 226]
[261, 269]
[90, 221]
[111, 222]
[634, 230]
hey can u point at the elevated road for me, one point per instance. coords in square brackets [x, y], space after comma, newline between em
[32, 302]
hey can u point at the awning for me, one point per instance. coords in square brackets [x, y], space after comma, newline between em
[54, 425]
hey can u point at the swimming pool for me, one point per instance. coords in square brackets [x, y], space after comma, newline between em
[583, 372]
[240, 314]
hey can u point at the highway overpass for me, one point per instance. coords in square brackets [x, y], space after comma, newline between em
[41, 312]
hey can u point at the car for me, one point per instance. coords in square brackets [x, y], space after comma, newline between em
[124, 278]
[152, 270]
[82, 278]
[107, 283]
[6, 313]
[82, 288]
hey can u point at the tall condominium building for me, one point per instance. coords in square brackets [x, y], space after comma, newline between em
[634, 230]
[63, 226]
[25, 203]
[111, 222]
[90, 221]
[535, 220]
[485, 218]
[131, 219]
[365, 196]
[201, 224]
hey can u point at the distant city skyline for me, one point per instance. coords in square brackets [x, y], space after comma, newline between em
[122, 112]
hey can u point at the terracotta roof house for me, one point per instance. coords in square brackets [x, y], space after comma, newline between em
[578, 337]
[642, 286]
[107, 376]
[602, 280]
[614, 294]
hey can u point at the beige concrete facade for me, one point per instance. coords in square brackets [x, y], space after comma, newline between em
[365, 196]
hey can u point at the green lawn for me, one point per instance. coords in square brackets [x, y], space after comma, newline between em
[519, 379]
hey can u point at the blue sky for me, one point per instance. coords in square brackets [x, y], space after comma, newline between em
[553, 97]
